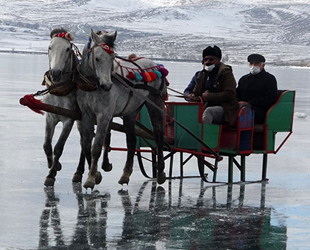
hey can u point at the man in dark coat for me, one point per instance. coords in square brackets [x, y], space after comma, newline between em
[258, 88]
[216, 85]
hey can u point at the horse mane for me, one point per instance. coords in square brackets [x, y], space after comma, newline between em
[57, 31]
[108, 40]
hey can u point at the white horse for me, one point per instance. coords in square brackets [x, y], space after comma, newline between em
[117, 99]
[59, 80]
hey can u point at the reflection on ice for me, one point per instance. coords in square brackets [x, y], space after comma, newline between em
[91, 223]
[160, 223]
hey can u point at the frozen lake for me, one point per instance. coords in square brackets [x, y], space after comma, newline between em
[180, 214]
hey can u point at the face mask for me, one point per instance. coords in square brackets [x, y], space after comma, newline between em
[210, 67]
[254, 70]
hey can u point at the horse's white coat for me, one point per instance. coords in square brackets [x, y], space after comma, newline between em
[61, 66]
[113, 99]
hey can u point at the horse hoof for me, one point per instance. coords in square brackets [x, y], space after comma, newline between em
[123, 180]
[161, 178]
[49, 182]
[77, 178]
[107, 167]
[98, 178]
[89, 183]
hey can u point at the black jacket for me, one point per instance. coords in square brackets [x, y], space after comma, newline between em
[260, 91]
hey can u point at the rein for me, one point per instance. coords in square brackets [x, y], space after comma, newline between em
[121, 80]
[133, 90]
[182, 95]
[128, 60]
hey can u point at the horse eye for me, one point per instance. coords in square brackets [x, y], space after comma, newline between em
[49, 48]
[67, 49]
[97, 59]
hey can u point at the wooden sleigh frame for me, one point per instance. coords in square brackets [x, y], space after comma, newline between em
[186, 134]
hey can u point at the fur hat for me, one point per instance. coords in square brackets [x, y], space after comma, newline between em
[256, 58]
[212, 51]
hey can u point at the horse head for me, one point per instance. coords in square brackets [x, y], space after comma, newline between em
[100, 56]
[60, 55]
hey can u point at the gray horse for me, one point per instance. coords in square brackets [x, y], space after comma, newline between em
[117, 98]
[59, 80]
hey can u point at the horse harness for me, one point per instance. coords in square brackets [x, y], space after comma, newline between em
[92, 83]
[133, 87]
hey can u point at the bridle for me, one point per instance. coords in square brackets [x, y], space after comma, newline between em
[62, 88]
[103, 46]
[74, 53]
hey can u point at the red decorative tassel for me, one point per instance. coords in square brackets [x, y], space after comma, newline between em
[153, 75]
[131, 76]
[37, 106]
[32, 103]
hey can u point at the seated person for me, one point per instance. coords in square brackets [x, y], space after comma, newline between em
[131, 56]
[216, 85]
[258, 88]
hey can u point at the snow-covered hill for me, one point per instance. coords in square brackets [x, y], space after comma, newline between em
[171, 29]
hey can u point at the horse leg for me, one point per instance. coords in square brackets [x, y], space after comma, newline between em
[87, 133]
[77, 177]
[106, 165]
[94, 177]
[58, 149]
[86, 128]
[49, 133]
[129, 126]
[157, 120]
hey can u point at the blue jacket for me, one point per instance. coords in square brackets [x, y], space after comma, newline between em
[190, 87]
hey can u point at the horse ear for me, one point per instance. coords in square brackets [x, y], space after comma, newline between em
[92, 34]
[94, 37]
[114, 35]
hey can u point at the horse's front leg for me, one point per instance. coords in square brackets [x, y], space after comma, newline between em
[58, 149]
[94, 177]
[129, 126]
[49, 133]
[77, 177]
[106, 165]
[86, 129]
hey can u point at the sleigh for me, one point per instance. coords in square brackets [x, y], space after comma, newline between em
[188, 137]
